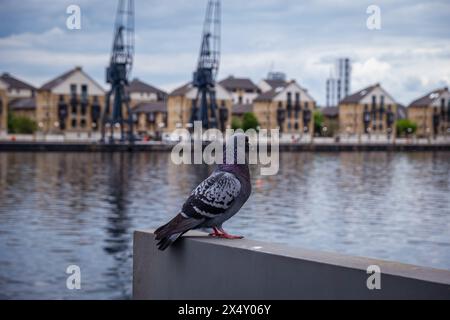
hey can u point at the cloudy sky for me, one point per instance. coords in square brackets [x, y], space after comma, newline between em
[409, 55]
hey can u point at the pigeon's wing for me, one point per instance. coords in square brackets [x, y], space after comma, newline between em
[213, 197]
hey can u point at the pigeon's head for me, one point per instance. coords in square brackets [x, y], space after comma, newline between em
[236, 149]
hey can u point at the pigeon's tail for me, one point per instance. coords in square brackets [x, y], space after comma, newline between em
[171, 231]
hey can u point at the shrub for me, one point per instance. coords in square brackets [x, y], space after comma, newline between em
[21, 124]
[249, 121]
[236, 123]
[406, 127]
[318, 121]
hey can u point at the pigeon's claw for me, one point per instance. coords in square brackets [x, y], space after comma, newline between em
[216, 233]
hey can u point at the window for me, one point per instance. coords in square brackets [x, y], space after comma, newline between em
[84, 93]
[289, 97]
[289, 104]
[84, 99]
[73, 98]
[74, 123]
[83, 123]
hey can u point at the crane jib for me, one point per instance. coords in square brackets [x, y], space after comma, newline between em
[204, 107]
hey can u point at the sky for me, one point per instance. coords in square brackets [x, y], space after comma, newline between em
[409, 55]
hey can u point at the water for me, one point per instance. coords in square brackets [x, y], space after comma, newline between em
[59, 209]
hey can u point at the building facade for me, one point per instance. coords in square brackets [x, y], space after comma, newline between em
[287, 106]
[16, 88]
[338, 85]
[149, 108]
[179, 106]
[72, 102]
[431, 113]
[371, 110]
[151, 118]
[140, 91]
[20, 99]
[330, 126]
[343, 73]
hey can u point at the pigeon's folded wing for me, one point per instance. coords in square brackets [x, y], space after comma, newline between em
[213, 196]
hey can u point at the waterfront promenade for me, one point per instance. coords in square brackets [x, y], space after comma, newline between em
[92, 144]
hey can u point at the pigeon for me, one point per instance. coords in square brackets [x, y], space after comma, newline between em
[216, 199]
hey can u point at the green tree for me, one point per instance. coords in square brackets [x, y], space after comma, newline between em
[249, 121]
[318, 121]
[406, 127]
[236, 123]
[21, 124]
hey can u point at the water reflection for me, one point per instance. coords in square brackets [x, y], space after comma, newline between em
[58, 209]
[117, 243]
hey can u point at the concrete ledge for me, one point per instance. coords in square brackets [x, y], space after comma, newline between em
[200, 267]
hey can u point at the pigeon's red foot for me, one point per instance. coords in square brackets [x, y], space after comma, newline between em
[229, 236]
[216, 233]
[220, 233]
[225, 235]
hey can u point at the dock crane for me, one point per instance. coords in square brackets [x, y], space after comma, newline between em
[204, 106]
[118, 73]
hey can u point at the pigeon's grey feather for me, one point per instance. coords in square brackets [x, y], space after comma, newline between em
[214, 201]
[214, 196]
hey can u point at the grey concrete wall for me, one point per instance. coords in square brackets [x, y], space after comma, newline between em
[201, 267]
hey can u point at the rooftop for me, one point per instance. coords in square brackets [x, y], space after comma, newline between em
[429, 98]
[50, 85]
[232, 83]
[15, 83]
[23, 104]
[138, 86]
[148, 107]
[330, 112]
[359, 95]
[181, 91]
[239, 109]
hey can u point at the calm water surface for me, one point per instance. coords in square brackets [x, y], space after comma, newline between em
[58, 209]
